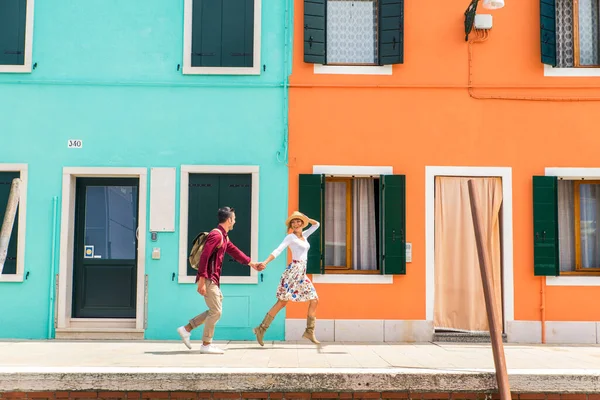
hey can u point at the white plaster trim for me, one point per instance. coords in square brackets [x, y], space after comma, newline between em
[26, 67]
[65, 277]
[187, 47]
[573, 174]
[570, 72]
[352, 170]
[186, 170]
[353, 70]
[353, 278]
[573, 280]
[507, 233]
[22, 208]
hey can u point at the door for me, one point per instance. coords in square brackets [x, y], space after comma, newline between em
[105, 259]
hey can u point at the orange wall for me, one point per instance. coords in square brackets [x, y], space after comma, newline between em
[425, 116]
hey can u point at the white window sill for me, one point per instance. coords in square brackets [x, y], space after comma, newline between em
[255, 70]
[11, 278]
[350, 70]
[17, 69]
[224, 279]
[351, 278]
[570, 72]
[573, 280]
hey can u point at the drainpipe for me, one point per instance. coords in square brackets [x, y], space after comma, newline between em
[9, 220]
[53, 276]
[286, 55]
[543, 308]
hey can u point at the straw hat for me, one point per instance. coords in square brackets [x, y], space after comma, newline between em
[297, 215]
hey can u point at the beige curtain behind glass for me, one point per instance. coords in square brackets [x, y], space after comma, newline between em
[459, 303]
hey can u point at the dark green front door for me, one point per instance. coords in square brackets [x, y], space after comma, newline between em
[105, 259]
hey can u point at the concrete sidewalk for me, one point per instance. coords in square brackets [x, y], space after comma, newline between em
[293, 366]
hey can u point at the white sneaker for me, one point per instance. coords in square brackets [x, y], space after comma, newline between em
[211, 349]
[185, 336]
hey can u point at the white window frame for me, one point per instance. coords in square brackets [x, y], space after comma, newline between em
[187, 47]
[186, 170]
[573, 174]
[22, 170]
[352, 171]
[26, 67]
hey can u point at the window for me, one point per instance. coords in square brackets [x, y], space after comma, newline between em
[203, 190]
[16, 29]
[222, 37]
[10, 264]
[14, 263]
[567, 234]
[569, 33]
[362, 224]
[354, 32]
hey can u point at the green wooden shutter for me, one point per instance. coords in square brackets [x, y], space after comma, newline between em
[392, 224]
[10, 264]
[391, 32]
[223, 33]
[315, 32]
[545, 226]
[206, 33]
[235, 190]
[203, 204]
[311, 203]
[548, 31]
[12, 32]
[238, 33]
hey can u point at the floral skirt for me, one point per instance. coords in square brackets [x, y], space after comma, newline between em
[295, 285]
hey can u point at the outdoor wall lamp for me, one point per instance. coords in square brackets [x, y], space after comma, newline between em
[472, 10]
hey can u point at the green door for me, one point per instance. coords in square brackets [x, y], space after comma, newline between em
[105, 259]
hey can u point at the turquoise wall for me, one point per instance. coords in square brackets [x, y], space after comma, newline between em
[107, 74]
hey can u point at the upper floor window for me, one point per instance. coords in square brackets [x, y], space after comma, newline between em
[222, 37]
[354, 32]
[569, 33]
[16, 31]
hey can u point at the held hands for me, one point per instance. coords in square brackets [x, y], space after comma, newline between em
[259, 266]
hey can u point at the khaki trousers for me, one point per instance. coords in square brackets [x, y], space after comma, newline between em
[214, 302]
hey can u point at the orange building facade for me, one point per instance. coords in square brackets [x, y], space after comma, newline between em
[392, 112]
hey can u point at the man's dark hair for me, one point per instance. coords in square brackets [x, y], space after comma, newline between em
[225, 213]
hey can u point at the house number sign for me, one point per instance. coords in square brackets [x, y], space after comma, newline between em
[74, 144]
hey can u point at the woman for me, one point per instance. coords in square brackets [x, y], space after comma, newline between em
[294, 285]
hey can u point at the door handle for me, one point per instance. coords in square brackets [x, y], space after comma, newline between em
[137, 233]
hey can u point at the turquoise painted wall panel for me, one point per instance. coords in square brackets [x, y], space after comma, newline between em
[107, 74]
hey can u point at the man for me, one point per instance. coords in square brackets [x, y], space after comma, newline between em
[208, 280]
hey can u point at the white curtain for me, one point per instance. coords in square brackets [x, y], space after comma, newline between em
[364, 251]
[351, 31]
[566, 226]
[335, 224]
[588, 32]
[589, 211]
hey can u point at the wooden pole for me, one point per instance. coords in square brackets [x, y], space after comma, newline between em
[488, 293]
[9, 219]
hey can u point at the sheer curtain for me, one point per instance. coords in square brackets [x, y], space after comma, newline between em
[364, 251]
[459, 304]
[566, 226]
[589, 213]
[335, 224]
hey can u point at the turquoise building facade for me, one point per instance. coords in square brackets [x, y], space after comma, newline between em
[129, 124]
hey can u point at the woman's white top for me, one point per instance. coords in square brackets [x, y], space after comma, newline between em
[298, 246]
